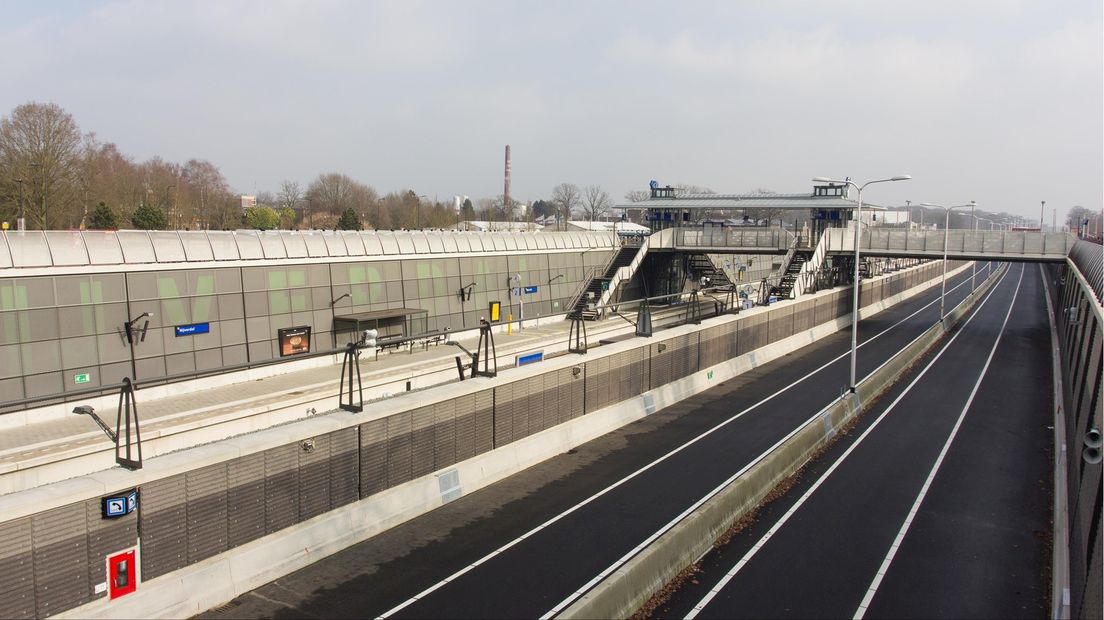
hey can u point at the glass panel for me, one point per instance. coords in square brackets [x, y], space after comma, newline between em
[103, 247]
[293, 242]
[372, 243]
[29, 249]
[223, 244]
[272, 244]
[512, 241]
[353, 243]
[249, 244]
[5, 257]
[530, 242]
[448, 242]
[421, 243]
[167, 246]
[315, 245]
[558, 239]
[67, 247]
[435, 243]
[387, 240]
[477, 242]
[499, 241]
[463, 242]
[335, 245]
[406, 243]
[196, 245]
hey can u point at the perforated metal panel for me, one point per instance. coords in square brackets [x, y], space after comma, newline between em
[505, 412]
[444, 434]
[484, 421]
[423, 442]
[245, 500]
[804, 315]
[17, 591]
[399, 448]
[163, 522]
[464, 415]
[314, 477]
[751, 334]
[60, 539]
[281, 487]
[373, 457]
[344, 473]
[780, 323]
[206, 509]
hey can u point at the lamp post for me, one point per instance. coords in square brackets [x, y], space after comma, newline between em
[21, 224]
[172, 207]
[1042, 206]
[946, 234]
[45, 214]
[855, 295]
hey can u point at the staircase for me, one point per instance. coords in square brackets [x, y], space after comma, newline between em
[784, 288]
[700, 265]
[599, 284]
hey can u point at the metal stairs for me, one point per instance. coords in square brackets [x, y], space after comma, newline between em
[584, 303]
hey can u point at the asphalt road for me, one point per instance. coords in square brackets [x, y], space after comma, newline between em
[539, 536]
[960, 451]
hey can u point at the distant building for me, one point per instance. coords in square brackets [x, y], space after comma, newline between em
[248, 201]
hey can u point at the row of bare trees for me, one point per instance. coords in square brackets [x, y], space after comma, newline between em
[55, 176]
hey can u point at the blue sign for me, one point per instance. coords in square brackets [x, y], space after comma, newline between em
[191, 330]
[530, 358]
[120, 505]
[530, 289]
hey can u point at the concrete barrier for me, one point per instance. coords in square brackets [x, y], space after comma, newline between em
[630, 586]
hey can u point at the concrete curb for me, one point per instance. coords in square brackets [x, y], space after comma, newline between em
[630, 586]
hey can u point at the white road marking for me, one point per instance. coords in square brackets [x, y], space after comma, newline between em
[873, 589]
[716, 589]
[611, 487]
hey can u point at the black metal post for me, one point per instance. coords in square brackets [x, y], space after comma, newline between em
[350, 369]
[576, 335]
[128, 406]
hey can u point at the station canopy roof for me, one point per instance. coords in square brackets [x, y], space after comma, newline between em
[747, 201]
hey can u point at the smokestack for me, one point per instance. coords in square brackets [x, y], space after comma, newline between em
[506, 183]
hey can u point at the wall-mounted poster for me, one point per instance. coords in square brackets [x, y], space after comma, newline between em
[294, 340]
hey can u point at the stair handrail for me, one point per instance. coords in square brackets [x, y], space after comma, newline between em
[587, 279]
[813, 264]
[657, 239]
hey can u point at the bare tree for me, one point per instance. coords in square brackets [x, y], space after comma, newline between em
[596, 202]
[40, 144]
[567, 198]
[334, 192]
[637, 195]
[290, 196]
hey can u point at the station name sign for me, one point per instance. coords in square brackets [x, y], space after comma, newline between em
[193, 329]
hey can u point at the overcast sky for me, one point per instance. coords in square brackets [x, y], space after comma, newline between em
[998, 101]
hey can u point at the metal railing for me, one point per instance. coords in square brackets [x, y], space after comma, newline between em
[767, 239]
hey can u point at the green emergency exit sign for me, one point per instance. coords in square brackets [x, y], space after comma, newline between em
[81, 378]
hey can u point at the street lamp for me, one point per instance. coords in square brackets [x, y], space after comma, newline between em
[22, 223]
[946, 234]
[1042, 206]
[45, 208]
[855, 295]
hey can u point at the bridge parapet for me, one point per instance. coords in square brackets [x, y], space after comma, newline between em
[987, 244]
[723, 239]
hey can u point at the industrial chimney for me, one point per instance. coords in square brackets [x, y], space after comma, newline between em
[506, 203]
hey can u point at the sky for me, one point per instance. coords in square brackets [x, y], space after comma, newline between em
[998, 101]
